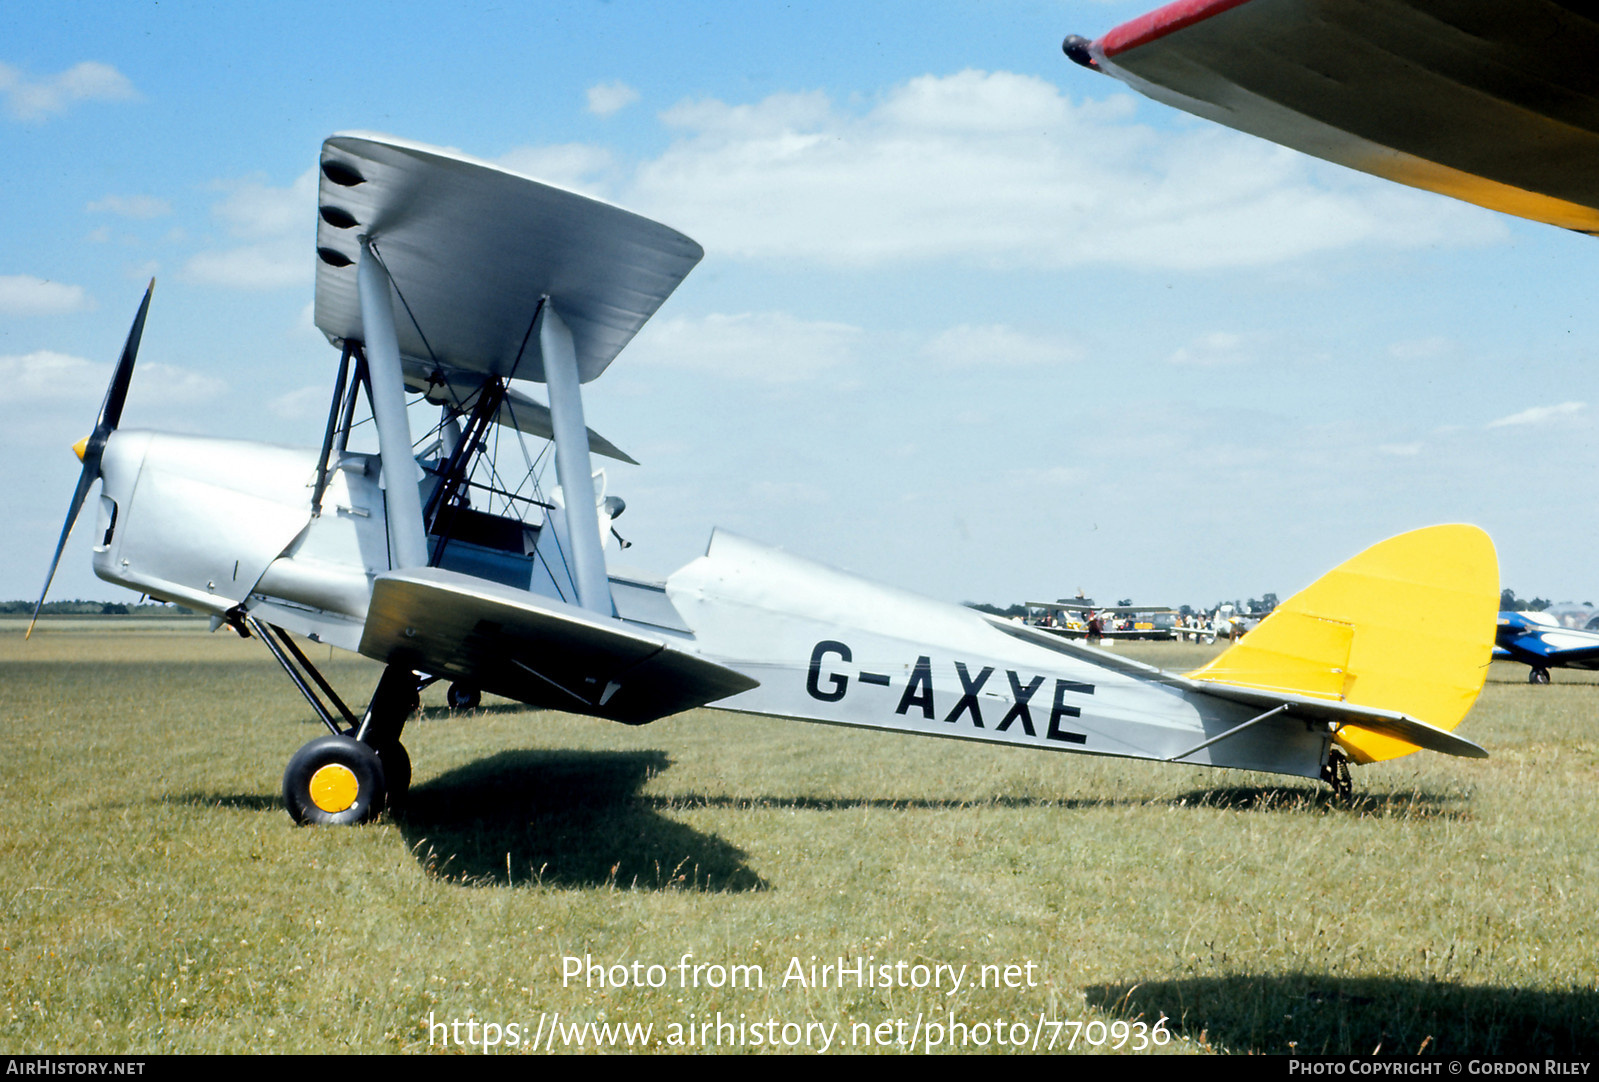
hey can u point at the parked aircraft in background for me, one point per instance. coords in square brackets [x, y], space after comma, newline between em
[462, 283]
[1070, 620]
[1539, 640]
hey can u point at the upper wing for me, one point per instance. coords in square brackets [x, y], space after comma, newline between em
[1493, 103]
[471, 248]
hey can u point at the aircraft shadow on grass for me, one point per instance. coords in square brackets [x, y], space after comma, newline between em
[1358, 1016]
[564, 818]
[1397, 805]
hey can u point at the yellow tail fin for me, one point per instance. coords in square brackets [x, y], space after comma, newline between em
[1408, 625]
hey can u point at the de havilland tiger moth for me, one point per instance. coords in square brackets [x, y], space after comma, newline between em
[460, 282]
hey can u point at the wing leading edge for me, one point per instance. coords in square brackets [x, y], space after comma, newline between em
[472, 248]
[1495, 104]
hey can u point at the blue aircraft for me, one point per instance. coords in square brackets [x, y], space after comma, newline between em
[1539, 640]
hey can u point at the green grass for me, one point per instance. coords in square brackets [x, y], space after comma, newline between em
[156, 898]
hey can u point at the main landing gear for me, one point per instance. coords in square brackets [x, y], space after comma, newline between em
[463, 696]
[349, 776]
[1538, 675]
[360, 767]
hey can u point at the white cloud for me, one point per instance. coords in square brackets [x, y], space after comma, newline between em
[577, 166]
[131, 206]
[773, 347]
[253, 266]
[277, 225]
[45, 380]
[1005, 170]
[1539, 414]
[996, 344]
[157, 385]
[1404, 450]
[25, 295]
[300, 404]
[607, 98]
[1215, 348]
[30, 99]
[251, 208]
[47, 376]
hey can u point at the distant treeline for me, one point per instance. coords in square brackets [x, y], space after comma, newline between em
[1509, 602]
[93, 608]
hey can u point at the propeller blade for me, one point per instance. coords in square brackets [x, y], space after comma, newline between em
[116, 396]
[86, 479]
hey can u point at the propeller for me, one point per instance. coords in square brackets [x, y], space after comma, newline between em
[91, 448]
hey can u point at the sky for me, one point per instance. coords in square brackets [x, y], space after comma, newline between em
[972, 320]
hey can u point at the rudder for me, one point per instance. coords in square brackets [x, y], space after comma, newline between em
[1407, 625]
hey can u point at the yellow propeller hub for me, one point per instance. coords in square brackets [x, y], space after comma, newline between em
[81, 448]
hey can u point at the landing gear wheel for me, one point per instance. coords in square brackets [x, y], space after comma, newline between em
[1538, 675]
[396, 771]
[336, 780]
[462, 696]
[1335, 772]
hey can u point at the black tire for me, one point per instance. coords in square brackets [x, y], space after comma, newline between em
[463, 696]
[1538, 675]
[335, 780]
[396, 771]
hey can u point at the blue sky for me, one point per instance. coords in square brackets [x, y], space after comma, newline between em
[972, 321]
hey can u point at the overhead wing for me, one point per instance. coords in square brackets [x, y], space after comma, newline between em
[1493, 103]
[471, 248]
[535, 649]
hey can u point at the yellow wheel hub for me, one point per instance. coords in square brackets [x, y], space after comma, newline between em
[334, 788]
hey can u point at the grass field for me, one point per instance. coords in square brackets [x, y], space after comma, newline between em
[156, 898]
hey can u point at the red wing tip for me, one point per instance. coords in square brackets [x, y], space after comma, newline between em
[1162, 21]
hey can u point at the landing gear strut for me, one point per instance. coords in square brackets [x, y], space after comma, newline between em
[1335, 772]
[360, 767]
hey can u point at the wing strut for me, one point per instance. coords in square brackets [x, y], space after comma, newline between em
[340, 388]
[572, 461]
[407, 540]
[1234, 731]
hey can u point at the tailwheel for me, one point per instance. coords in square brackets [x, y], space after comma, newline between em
[335, 780]
[1538, 675]
[1335, 772]
[464, 696]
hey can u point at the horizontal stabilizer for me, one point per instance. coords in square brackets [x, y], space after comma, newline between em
[1404, 630]
[1344, 715]
[536, 649]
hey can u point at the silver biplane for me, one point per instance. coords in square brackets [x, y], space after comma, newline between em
[451, 279]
